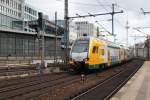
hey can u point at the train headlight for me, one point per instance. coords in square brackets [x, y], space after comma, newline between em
[71, 61]
[86, 59]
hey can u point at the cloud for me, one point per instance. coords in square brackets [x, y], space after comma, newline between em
[131, 9]
[47, 6]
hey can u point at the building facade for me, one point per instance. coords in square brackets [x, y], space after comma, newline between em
[142, 50]
[30, 14]
[85, 28]
[11, 11]
[17, 40]
[14, 14]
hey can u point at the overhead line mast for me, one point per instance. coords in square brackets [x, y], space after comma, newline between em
[94, 15]
[66, 17]
[144, 11]
[66, 33]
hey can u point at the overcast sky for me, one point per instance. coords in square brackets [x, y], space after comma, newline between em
[131, 9]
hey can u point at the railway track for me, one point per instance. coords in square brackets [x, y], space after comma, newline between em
[13, 89]
[66, 86]
[105, 89]
[9, 71]
[80, 90]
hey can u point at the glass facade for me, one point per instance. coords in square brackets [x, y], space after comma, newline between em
[8, 22]
[12, 8]
[30, 13]
[14, 11]
[10, 11]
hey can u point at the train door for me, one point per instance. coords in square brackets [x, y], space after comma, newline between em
[108, 58]
[103, 55]
[95, 54]
[119, 55]
[94, 57]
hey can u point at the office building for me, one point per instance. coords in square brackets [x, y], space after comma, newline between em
[15, 13]
[10, 12]
[85, 28]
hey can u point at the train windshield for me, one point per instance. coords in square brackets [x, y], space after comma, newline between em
[80, 46]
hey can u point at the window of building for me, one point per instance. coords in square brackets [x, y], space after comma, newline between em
[35, 13]
[13, 12]
[6, 10]
[7, 2]
[11, 3]
[3, 9]
[30, 10]
[2, 1]
[19, 7]
[10, 11]
[19, 14]
[16, 5]
[0, 8]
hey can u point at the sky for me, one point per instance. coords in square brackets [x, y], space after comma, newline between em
[132, 13]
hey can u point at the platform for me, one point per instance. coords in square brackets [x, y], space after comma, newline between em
[138, 87]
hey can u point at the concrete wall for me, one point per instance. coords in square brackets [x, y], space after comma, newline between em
[15, 46]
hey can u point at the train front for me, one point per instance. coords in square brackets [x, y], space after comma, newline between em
[79, 54]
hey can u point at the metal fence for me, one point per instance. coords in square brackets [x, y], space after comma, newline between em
[14, 46]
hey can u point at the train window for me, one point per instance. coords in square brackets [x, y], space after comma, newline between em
[103, 52]
[95, 49]
[80, 46]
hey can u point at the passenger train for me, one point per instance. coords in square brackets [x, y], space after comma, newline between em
[90, 53]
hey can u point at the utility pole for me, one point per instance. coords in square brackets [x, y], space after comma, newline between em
[144, 11]
[127, 31]
[43, 49]
[41, 33]
[55, 57]
[135, 46]
[113, 18]
[113, 13]
[39, 26]
[148, 55]
[66, 33]
[98, 33]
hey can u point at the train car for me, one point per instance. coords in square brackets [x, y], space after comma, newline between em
[90, 53]
[114, 53]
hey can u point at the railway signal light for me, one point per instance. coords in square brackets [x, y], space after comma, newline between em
[40, 20]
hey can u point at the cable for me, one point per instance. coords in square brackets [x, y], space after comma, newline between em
[108, 11]
[127, 9]
[101, 5]
[81, 3]
[86, 4]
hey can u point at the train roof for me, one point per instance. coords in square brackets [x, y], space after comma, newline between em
[109, 43]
